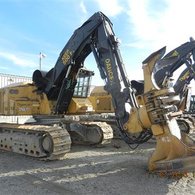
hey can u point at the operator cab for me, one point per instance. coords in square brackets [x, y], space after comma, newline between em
[82, 88]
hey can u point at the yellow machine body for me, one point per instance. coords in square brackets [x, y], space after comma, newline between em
[22, 99]
[80, 106]
[101, 100]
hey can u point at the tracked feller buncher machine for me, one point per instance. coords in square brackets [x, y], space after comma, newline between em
[48, 138]
[138, 118]
[22, 132]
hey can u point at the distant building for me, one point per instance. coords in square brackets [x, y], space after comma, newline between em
[7, 79]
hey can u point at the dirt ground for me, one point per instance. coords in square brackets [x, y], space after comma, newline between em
[114, 169]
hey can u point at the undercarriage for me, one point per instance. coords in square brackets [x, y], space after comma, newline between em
[50, 137]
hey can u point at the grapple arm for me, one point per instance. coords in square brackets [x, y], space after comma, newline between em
[174, 151]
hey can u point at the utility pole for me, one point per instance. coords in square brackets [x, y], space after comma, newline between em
[41, 55]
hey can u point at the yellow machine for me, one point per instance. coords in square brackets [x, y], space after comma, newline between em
[57, 112]
[101, 100]
[22, 99]
[21, 103]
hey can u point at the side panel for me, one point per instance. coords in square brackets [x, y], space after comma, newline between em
[23, 100]
[101, 100]
[80, 106]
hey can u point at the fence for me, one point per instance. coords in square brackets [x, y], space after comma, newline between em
[7, 79]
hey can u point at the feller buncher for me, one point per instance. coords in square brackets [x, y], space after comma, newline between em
[22, 103]
[49, 101]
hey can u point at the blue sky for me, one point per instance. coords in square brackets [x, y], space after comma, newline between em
[143, 26]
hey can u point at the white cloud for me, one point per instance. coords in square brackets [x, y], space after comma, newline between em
[18, 60]
[110, 7]
[83, 7]
[171, 25]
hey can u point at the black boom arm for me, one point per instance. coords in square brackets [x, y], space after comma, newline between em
[95, 35]
[165, 67]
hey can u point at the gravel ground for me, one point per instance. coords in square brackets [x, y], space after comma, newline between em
[114, 169]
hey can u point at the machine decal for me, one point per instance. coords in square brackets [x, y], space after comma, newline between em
[109, 69]
[13, 91]
[185, 76]
[66, 56]
[174, 54]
